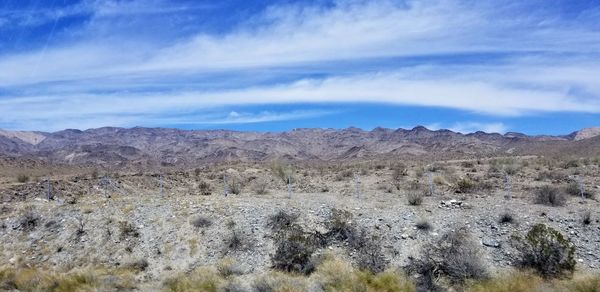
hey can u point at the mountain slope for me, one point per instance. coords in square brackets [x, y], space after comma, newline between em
[145, 146]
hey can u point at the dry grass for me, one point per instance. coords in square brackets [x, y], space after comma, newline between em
[514, 282]
[32, 279]
[525, 281]
[337, 275]
[201, 279]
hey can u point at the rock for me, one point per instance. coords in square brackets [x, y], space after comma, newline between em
[490, 242]
[404, 236]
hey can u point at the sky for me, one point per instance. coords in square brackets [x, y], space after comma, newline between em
[465, 65]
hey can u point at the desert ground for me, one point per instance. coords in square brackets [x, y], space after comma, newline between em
[279, 226]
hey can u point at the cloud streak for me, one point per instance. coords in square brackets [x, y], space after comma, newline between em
[550, 65]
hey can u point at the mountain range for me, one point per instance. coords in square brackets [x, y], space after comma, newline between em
[112, 146]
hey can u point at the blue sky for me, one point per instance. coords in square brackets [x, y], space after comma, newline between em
[496, 66]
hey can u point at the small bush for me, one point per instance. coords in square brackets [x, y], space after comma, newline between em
[339, 225]
[29, 220]
[511, 169]
[423, 225]
[467, 164]
[227, 267]
[551, 175]
[399, 171]
[285, 173]
[294, 253]
[128, 230]
[95, 173]
[204, 188]
[575, 190]
[139, 265]
[369, 256]
[546, 251]
[506, 218]
[260, 186]
[414, 198]
[366, 248]
[571, 164]
[201, 222]
[344, 175]
[22, 178]
[586, 218]
[455, 256]
[236, 241]
[234, 185]
[281, 220]
[550, 196]
[464, 185]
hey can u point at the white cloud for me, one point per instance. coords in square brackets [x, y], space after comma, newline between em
[69, 82]
[471, 127]
[288, 36]
[492, 98]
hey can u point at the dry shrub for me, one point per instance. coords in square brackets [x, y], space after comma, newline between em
[574, 189]
[294, 252]
[369, 256]
[29, 220]
[22, 178]
[128, 230]
[424, 225]
[551, 196]
[201, 222]
[586, 218]
[454, 257]
[399, 171]
[506, 218]
[228, 267]
[234, 185]
[366, 248]
[464, 185]
[281, 220]
[260, 186]
[204, 188]
[414, 198]
[344, 175]
[139, 265]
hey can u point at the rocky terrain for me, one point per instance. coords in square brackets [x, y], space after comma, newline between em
[63, 209]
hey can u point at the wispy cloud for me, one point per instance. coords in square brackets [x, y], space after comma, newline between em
[550, 66]
[471, 127]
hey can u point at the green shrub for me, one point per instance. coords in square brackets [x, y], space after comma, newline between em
[546, 251]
